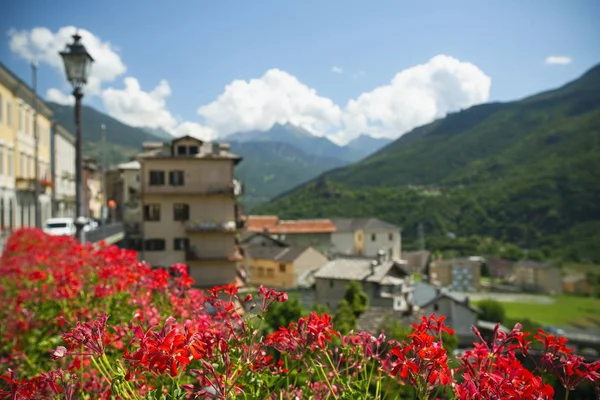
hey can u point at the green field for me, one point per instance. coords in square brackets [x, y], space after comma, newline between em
[578, 312]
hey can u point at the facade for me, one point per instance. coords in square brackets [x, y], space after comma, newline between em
[366, 237]
[188, 196]
[315, 233]
[387, 282]
[499, 268]
[17, 154]
[538, 277]
[577, 284]
[417, 260]
[461, 274]
[63, 172]
[123, 187]
[93, 194]
[282, 266]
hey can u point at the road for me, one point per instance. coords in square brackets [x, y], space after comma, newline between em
[510, 297]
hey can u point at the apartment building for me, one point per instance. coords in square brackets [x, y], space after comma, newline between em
[63, 171]
[17, 154]
[190, 215]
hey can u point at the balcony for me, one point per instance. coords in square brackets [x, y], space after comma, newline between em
[210, 227]
[28, 184]
[235, 188]
[193, 254]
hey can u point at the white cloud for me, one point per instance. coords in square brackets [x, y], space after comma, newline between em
[276, 97]
[337, 70]
[196, 130]
[43, 45]
[136, 107]
[59, 97]
[560, 60]
[415, 96]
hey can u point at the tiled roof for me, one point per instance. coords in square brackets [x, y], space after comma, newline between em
[276, 253]
[357, 269]
[373, 320]
[276, 226]
[365, 224]
[416, 259]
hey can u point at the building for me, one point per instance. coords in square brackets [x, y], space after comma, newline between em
[93, 193]
[188, 196]
[387, 282]
[365, 237]
[460, 315]
[577, 284]
[63, 172]
[282, 266]
[460, 274]
[499, 269]
[123, 187]
[17, 154]
[315, 233]
[538, 276]
[417, 260]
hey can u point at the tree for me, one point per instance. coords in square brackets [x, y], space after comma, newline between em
[344, 319]
[356, 298]
[492, 310]
[282, 314]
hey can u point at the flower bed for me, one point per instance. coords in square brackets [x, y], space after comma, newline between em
[85, 322]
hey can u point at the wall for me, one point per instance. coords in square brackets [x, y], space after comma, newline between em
[309, 260]
[208, 275]
[343, 243]
[377, 240]
[458, 317]
[8, 132]
[64, 184]
[270, 274]
[319, 241]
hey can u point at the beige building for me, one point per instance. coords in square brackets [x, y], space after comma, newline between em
[63, 172]
[17, 154]
[366, 237]
[538, 276]
[460, 274]
[123, 187]
[190, 216]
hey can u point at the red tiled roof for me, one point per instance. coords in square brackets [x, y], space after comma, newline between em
[274, 225]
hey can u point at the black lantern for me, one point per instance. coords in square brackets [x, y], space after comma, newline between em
[78, 62]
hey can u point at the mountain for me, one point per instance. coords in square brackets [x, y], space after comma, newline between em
[270, 168]
[318, 146]
[525, 172]
[365, 145]
[122, 141]
[159, 133]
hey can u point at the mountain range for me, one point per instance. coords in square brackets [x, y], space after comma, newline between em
[275, 160]
[524, 173]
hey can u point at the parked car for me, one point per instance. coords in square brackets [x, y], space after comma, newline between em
[59, 226]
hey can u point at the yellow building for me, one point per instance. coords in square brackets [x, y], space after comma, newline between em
[190, 215]
[17, 153]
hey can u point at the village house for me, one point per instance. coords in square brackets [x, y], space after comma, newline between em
[366, 237]
[576, 284]
[417, 260]
[460, 315]
[315, 233]
[461, 274]
[386, 282]
[499, 269]
[538, 277]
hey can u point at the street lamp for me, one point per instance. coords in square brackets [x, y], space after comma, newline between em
[78, 63]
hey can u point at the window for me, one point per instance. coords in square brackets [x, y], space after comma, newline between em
[1, 110]
[181, 212]
[152, 212]
[176, 178]
[157, 178]
[2, 213]
[373, 237]
[331, 283]
[181, 150]
[9, 168]
[1, 161]
[9, 115]
[155, 244]
[260, 272]
[391, 236]
[436, 308]
[21, 120]
[193, 150]
[11, 221]
[282, 268]
[181, 244]
[21, 164]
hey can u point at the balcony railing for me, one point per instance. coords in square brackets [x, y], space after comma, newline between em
[110, 233]
[205, 226]
[235, 188]
[193, 254]
[28, 184]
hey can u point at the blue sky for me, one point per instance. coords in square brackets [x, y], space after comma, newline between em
[199, 47]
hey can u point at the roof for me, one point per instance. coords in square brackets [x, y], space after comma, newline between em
[417, 259]
[499, 263]
[365, 224]
[131, 165]
[277, 242]
[276, 253]
[423, 293]
[534, 264]
[454, 297]
[274, 225]
[358, 269]
[374, 319]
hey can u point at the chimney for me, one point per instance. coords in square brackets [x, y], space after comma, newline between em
[381, 256]
[373, 265]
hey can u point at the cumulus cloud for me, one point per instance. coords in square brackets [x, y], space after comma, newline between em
[195, 130]
[276, 97]
[59, 97]
[558, 60]
[337, 70]
[43, 45]
[415, 96]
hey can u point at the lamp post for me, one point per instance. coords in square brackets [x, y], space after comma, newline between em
[78, 63]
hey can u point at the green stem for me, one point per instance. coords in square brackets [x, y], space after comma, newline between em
[320, 368]
[567, 394]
